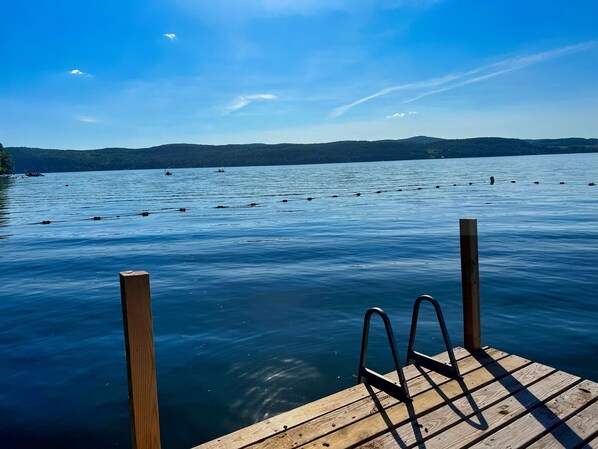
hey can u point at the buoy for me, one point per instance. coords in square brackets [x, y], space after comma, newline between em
[144, 214]
[419, 188]
[561, 183]
[334, 196]
[358, 194]
[470, 183]
[46, 222]
[437, 187]
[97, 218]
[536, 182]
[285, 201]
[182, 209]
[379, 191]
[512, 182]
[399, 190]
[592, 184]
[309, 198]
[253, 204]
[220, 207]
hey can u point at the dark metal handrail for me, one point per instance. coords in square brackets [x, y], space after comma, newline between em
[366, 375]
[451, 370]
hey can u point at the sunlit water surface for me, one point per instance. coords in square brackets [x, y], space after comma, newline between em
[259, 309]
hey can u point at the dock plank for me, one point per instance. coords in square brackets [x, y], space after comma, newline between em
[378, 423]
[466, 409]
[583, 425]
[504, 412]
[544, 418]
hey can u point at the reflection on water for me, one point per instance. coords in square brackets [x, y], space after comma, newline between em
[5, 183]
[269, 387]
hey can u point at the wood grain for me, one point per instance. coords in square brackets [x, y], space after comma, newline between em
[583, 425]
[378, 423]
[544, 418]
[467, 409]
[141, 365]
[504, 412]
[470, 280]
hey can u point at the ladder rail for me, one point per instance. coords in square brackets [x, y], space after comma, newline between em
[365, 375]
[426, 361]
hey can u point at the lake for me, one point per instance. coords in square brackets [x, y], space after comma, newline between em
[258, 309]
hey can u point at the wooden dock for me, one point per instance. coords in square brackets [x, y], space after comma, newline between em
[502, 401]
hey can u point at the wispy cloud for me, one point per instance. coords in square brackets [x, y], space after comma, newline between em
[401, 114]
[87, 119]
[455, 80]
[170, 36]
[245, 100]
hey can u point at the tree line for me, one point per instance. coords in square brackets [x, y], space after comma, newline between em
[6, 165]
[190, 155]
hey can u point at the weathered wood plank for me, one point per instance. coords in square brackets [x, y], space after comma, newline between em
[378, 423]
[277, 424]
[470, 280]
[504, 412]
[582, 425]
[463, 409]
[544, 418]
[593, 444]
[356, 411]
[141, 366]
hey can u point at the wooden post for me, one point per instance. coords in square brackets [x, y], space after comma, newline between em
[470, 277]
[141, 364]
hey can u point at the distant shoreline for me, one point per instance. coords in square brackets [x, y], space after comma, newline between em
[173, 156]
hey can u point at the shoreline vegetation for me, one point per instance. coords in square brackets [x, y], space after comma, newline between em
[172, 156]
[6, 166]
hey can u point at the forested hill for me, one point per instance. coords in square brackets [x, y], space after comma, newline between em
[191, 155]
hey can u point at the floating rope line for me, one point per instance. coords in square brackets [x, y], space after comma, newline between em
[407, 187]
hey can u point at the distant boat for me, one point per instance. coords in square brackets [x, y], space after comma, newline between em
[167, 173]
[220, 171]
[34, 174]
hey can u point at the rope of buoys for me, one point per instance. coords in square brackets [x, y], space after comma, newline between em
[146, 213]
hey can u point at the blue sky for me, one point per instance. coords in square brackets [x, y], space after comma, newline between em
[91, 74]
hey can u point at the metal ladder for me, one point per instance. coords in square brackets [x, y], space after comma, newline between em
[399, 390]
[366, 375]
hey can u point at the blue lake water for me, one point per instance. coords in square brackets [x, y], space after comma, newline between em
[259, 309]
